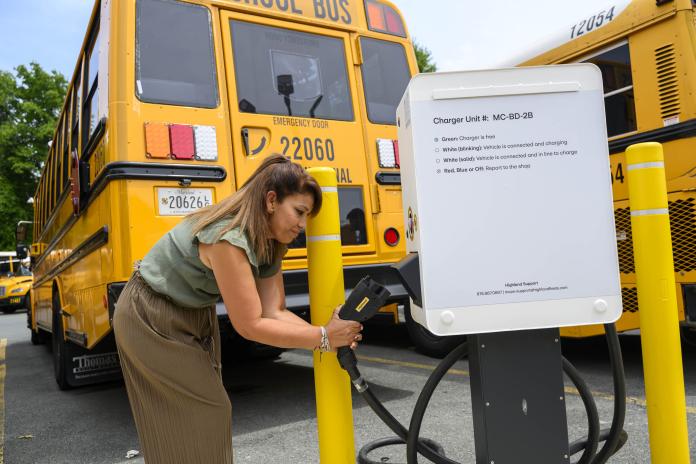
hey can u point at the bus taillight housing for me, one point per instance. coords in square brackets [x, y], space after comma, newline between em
[180, 141]
[388, 153]
[384, 18]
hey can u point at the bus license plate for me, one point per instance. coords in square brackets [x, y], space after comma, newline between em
[180, 201]
[15, 300]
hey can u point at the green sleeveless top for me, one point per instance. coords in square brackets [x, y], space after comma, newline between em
[173, 268]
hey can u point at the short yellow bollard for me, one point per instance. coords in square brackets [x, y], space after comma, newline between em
[326, 292]
[659, 322]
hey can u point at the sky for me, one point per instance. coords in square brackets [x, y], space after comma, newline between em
[461, 34]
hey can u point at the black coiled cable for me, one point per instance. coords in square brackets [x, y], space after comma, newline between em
[613, 438]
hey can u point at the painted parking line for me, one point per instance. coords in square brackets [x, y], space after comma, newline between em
[460, 372]
[3, 344]
[392, 362]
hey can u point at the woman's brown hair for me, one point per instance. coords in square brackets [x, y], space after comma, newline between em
[247, 206]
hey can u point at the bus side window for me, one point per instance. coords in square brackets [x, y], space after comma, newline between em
[619, 103]
[91, 101]
[65, 160]
[75, 112]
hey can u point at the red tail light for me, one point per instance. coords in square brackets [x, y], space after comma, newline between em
[391, 236]
[396, 154]
[182, 141]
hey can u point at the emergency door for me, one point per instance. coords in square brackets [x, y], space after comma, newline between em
[292, 91]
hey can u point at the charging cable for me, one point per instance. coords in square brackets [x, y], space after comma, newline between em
[366, 299]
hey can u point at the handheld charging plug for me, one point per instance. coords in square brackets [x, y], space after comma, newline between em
[364, 300]
[363, 303]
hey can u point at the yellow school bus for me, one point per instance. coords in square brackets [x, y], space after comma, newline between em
[15, 283]
[171, 106]
[646, 50]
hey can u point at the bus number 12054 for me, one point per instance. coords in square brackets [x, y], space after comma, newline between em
[593, 22]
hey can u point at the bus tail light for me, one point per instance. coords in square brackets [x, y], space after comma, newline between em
[206, 143]
[181, 137]
[180, 141]
[388, 153]
[383, 18]
[391, 236]
[157, 140]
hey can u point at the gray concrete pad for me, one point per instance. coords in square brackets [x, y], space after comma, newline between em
[274, 418]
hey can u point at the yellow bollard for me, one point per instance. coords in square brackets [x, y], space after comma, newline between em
[659, 322]
[326, 292]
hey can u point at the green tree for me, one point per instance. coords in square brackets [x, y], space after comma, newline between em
[30, 102]
[424, 58]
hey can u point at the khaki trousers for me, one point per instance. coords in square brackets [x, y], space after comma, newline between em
[170, 357]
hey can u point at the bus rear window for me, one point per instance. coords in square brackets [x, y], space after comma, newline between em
[385, 77]
[290, 73]
[174, 60]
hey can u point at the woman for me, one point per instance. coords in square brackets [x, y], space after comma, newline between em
[165, 323]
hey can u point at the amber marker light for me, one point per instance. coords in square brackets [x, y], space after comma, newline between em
[383, 18]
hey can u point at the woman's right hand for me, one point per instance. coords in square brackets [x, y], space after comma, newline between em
[343, 333]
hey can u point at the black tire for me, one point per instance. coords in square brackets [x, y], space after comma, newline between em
[27, 302]
[36, 338]
[236, 348]
[60, 364]
[428, 343]
[688, 336]
[9, 310]
[241, 349]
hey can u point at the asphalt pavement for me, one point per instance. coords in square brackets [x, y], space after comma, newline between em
[273, 403]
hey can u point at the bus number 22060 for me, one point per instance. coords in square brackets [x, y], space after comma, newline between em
[308, 149]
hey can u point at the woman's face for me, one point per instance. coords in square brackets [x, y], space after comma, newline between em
[289, 217]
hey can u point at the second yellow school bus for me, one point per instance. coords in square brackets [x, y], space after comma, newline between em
[646, 51]
[171, 106]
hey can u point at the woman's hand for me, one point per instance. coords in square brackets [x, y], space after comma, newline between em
[343, 333]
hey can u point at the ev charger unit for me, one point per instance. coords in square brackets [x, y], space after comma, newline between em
[507, 199]
[508, 210]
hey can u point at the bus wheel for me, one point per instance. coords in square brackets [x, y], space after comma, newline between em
[37, 338]
[688, 335]
[60, 364]
[428, 343]
[237, 348]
